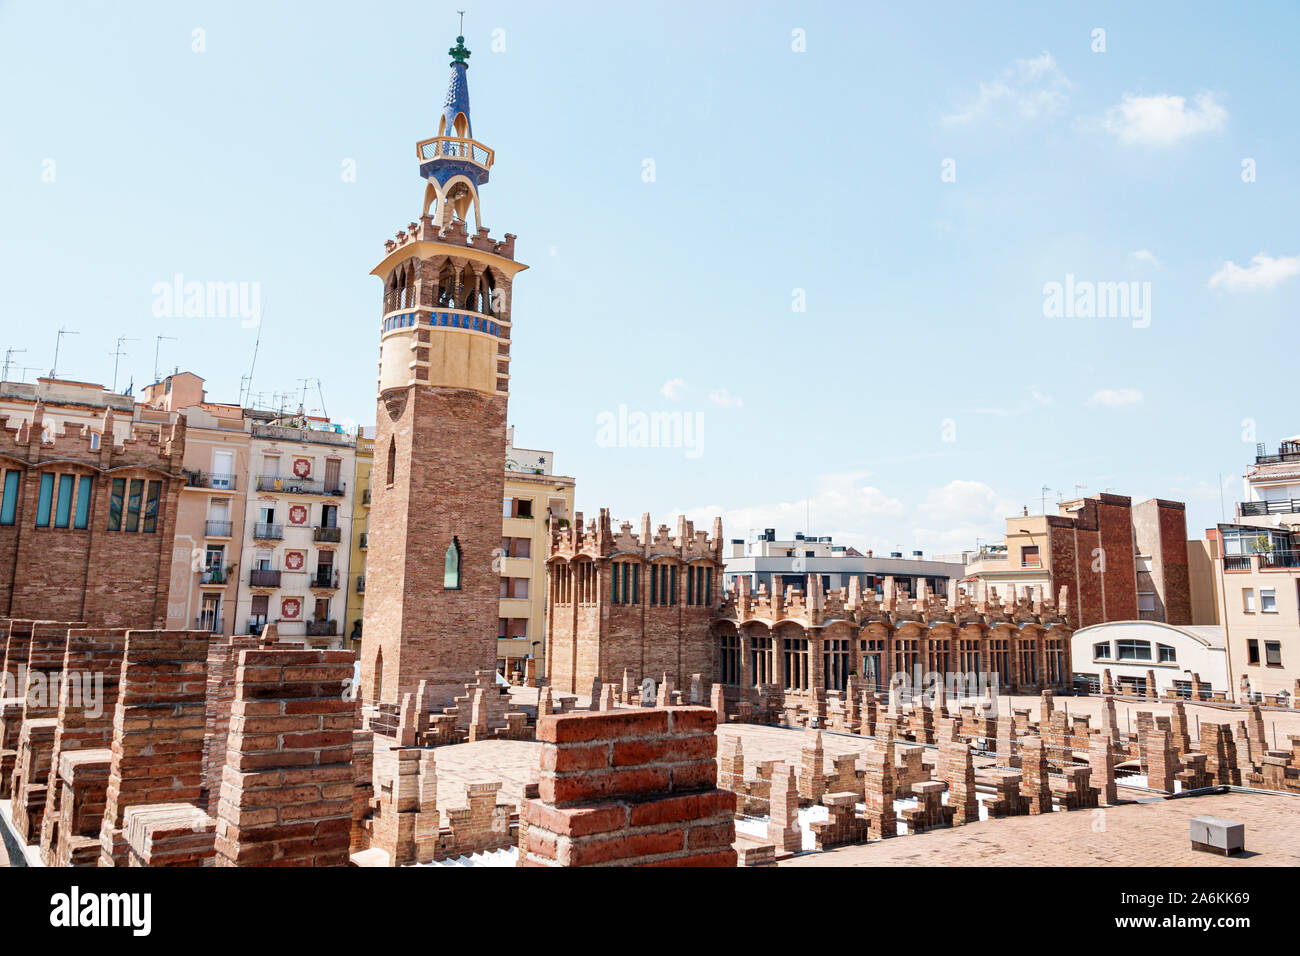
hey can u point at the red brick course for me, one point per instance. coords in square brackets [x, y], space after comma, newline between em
[641, 791]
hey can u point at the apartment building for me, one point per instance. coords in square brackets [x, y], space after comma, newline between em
[533, 495]
[356, 583]
[1120, 561]
[296, 546]
[89, 489]
[1256, 559]
[210, 516]
[786, 563]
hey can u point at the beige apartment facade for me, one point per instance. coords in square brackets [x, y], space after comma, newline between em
[210, 516]
[294, 560]
[533, 495]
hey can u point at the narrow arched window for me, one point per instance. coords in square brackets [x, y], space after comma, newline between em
[392, 458]
[451, 567]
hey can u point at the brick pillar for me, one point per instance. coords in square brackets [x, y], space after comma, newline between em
[1181, 738]
[607, 697]
[31, 773]
[1101, 758]
[1162, 760]
[1007, 756]
[1107, 682]
[87, 702]
[286, 796]
[220, 696]
[633, 787]
[1145, 724]
[783, 821]
[1109, 721]
[731, 765]
[812, 768]
[169, 834]
[1033, 765]
[158, 729]
[363, 784]
[959, 773]
[1216, 741]
[870, 711]
[718, 701]
[880, 788]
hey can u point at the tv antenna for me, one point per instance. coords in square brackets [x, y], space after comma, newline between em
[117, 355]
[58, 342]
[158, 340]
[9, 356]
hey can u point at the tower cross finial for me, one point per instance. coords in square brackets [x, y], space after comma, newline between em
[462, 21]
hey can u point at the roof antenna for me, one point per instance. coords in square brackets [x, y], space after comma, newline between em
[462, 21]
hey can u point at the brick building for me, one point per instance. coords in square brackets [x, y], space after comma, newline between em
[1120, 561]
[626, 602]
[88, 504]
[433, 586]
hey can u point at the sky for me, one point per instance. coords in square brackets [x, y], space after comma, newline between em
[850, 248]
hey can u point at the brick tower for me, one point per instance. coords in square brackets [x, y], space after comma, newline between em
[438, 482]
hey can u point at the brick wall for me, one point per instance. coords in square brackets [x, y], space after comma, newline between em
[105, 578]
[158, 729]
[630, 788]
[287, 793]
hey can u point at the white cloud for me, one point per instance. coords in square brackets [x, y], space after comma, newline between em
[1116, 397]
[1040, 397]
[1163, 120]
[856, 513]
[1264, 272]
[725, 399]
[673, 389]
[1146, 256]
[1028, 88]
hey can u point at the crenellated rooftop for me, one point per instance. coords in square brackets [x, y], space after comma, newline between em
[597, 539]
[812, 607]
[455, 234]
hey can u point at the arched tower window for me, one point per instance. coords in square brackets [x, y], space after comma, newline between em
[392, 458]
[489, 293]
[451, 567]
[470, 290]
[446, 285]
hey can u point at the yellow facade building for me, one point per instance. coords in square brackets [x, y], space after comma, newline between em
[360, 536]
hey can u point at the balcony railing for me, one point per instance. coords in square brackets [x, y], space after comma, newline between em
[214, 576]
[1267, 561]
[325, 577]
[1285, 506]
[300, 486]
[218, 529]
[328, 534]
[453, 147]
[258, 578]
[322, 628]
[212, 623]
[204, 479]
[361, 584]
[255, 625]
[268, 532]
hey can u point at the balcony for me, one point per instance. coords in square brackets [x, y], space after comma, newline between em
[300, 486]
[365, 497]
[255, 625]
[328, 534]
[268, 532]
[1270, 560]
[204, 479]
[325, 577]
[1287, 451]
[365, 540]
[361, 584]
[217, 529]
[322, 628]
[1236, 562]
[212, 623]
[453, 147]
[258, 578]
[214, 576]
[1285, 506]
